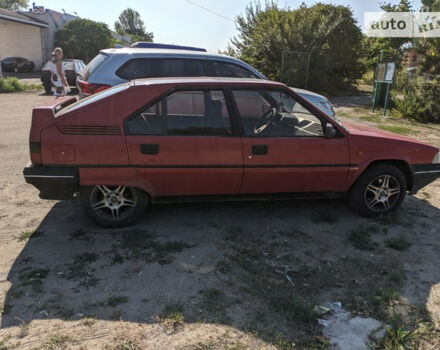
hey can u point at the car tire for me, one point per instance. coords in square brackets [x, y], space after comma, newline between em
[380, 190]
[113, 206]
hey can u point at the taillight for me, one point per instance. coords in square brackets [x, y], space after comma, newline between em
[91, 88]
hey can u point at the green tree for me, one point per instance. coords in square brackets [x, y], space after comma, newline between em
[13, 5]
[83, 38]
[392, 48]
[130, 22]
[328, 32]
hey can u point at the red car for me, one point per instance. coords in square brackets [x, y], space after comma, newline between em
[212, 138]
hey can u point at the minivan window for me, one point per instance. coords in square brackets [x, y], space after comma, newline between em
[229, 70]
[160, 67]
[93, 65]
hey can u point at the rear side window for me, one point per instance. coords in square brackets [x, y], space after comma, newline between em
[191, 113]
[160, 67]
[93, 65]
[223, 69]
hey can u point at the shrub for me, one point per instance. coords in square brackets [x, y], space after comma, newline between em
[11, 84]
[418, 100]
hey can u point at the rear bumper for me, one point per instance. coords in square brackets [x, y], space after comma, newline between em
[53, 182]
[424, 174]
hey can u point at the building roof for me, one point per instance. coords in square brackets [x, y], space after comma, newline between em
[16, 17]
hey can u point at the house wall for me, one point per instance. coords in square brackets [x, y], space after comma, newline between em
[19, 39]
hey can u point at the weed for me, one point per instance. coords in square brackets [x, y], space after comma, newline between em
[141, 245]
[56, 341]
[295, 309]
[116, 315]
[3, 345]
[213, 300]
[396, 337]
[33, 277]
[88, 321]
[361, 239]
[24, 236]
[282, 343]
[172, 315]
[397, 129]
[24, 329]
[323, 216]
[398, 243]
[116, 300]
[80, 269]
[385, 296]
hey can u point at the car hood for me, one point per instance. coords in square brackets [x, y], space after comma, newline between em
[358, 129]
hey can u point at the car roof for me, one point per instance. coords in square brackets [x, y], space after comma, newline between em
[205, 81]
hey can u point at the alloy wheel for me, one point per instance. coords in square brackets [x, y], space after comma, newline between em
[382, 193]
[113, 202]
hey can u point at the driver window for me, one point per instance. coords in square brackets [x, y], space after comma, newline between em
[275, 114]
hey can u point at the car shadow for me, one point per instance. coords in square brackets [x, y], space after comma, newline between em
[214, 260]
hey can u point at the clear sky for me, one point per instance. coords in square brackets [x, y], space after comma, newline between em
[181, 22]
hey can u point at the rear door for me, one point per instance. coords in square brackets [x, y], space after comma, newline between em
[284, 148]
[186, 144]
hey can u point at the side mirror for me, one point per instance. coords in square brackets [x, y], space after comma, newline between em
[330, 131]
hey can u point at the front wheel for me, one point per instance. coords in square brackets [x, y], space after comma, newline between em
[379, 191]
[113, 206]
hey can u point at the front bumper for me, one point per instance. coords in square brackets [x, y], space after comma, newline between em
[53, 182]
[424, 174]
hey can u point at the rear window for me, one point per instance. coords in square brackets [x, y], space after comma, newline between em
[93, 65]
[161, 67]
[93, 98]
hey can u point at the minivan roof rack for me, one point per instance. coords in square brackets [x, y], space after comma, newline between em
[144, 44]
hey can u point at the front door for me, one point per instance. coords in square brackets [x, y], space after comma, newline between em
[185, 144]
[284, 147]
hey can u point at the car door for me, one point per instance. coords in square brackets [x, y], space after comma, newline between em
[185, 144]
[284, 147]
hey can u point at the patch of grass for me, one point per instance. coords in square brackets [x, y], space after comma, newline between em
[117, 300]
[88, 321]
[56, 341]
[398, 243]
[324, 216]
[214, 299]
[24, 329]
[295, 309]
[172, 315]
[397, 336]
[385, 296]
[13, 84]
[370, 118]
[141, 245]
[80, 269]
[127, 344]
[361, 239]
[397, 129]
[24, 236]
[32, 277]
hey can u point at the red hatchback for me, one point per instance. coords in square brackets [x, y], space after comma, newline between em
[175, 138]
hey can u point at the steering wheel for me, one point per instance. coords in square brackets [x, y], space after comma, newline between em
[266, 119]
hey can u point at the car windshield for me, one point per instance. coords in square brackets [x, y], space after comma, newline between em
[93, 98]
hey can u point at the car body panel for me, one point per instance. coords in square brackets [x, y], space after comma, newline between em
[91, 136]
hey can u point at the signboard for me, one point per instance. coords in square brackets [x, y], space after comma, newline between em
[384, 75]
[385, 72]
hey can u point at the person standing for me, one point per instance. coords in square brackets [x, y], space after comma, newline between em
[57, 77]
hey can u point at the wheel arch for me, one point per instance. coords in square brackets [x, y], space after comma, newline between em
[400, 164]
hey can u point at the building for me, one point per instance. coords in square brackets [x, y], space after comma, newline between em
[31, 34]
[22, 36]
[55, 21]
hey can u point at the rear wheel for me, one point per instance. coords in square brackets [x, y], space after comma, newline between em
[113, 206]
[379, 191]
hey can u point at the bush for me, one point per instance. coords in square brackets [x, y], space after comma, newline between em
[419, 99]
[11, 84]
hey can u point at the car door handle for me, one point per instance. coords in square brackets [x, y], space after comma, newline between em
[259, 150]
[150, 148]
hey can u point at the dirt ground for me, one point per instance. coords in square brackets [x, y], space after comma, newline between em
[206, 276]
